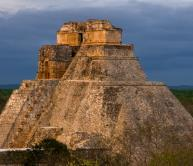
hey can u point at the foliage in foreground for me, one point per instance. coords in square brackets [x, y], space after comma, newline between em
[183, 157]
[186, 98]
[4, 96]
[54, 153]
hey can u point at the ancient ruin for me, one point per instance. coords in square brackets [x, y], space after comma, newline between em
[91, 93]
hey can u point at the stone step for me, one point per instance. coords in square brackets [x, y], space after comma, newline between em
[37, 92]
[4, 130]
[11, 111]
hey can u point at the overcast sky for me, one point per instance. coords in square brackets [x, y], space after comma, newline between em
[162, 33]
[12, 6]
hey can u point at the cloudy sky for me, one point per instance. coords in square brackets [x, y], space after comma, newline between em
[162, 32]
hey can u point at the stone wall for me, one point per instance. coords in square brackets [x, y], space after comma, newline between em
[54, 60]
[22, 116]
[105, 101]
[11, 112]
[105, 63]
[72, 39]
[109, 37]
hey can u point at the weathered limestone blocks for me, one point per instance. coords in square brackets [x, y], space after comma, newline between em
[54, 60]
[116, 107]
[70, 34]
[107, 51]
[27, 110]
[105, 63]
[42, 133]
[11, 112]
[133, 119]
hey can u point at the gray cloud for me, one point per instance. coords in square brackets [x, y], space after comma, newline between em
[163, 39]
[13, 6]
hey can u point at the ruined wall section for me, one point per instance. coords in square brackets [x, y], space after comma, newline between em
[70, 34]
[109, 37]
[54, 60]
[101, 32]
[89, 32]
[32, 106]
[69, 38]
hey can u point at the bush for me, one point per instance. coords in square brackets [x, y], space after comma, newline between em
[52, 153]
[186, 98]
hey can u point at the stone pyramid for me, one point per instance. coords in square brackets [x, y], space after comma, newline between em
[91, 93]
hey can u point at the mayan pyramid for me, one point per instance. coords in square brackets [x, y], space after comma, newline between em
[91, 93]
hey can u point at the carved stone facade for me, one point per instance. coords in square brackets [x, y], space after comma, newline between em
[54, 60]
[91, 93]
[89, 32]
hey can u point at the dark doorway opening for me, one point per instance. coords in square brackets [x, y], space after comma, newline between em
[81, 37]
[47, 74]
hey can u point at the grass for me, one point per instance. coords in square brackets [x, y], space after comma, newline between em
[177, 158]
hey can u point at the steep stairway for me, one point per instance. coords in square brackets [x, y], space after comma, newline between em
[12, 111]
[28, 122]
